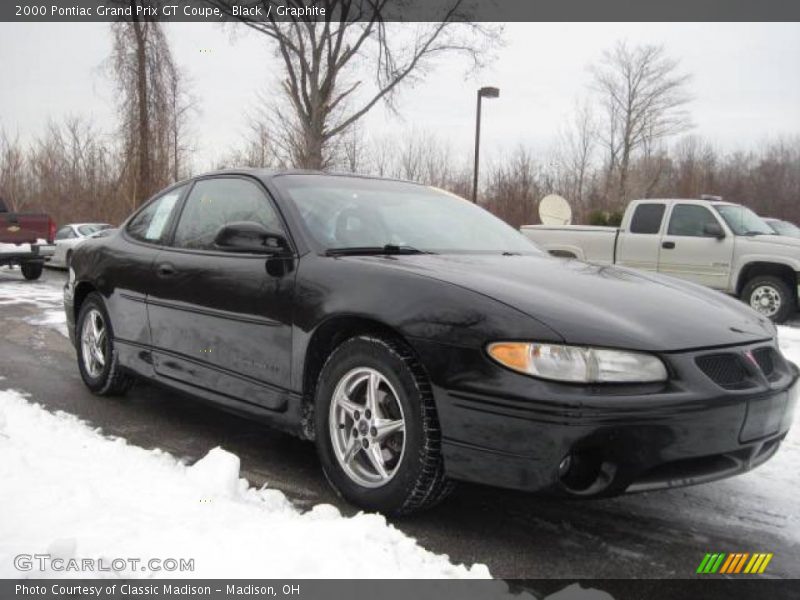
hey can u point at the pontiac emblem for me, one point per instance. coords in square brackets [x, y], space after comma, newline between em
[751, 358]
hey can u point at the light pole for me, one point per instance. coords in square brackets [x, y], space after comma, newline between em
[484, 92]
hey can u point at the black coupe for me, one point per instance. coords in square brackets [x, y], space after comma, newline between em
[419, 341]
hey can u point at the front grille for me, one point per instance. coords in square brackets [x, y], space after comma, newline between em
[726, 370]
[765, 357]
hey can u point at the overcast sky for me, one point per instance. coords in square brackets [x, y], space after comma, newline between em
[746, 81]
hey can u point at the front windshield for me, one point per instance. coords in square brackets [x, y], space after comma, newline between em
[349, 212]
[742, 220]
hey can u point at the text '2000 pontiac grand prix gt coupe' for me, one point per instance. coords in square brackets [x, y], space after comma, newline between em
[419, 341]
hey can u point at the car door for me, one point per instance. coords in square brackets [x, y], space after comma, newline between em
[688, 252]
[638, 246]
[128, 274]
[219, 320]
[62, 241]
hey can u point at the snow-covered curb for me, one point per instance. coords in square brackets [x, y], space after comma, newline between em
[69, 491]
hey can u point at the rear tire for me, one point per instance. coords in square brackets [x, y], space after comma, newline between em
[769, 296]
[32, 270]
[97, 358]
[411, 476]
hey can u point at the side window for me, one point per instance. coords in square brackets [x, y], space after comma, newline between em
[647, 218]
[65, 233]
[149, 225]
[217, 202]
[689, 220]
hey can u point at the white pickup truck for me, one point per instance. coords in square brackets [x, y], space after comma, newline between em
[718, 244]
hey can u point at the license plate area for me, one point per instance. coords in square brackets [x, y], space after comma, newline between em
[764, 417]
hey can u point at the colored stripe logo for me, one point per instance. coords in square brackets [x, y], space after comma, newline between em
[734, 563]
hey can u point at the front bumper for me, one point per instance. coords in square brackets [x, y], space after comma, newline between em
[69, 307]
[509, 430]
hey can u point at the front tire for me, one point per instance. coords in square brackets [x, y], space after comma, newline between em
[376, 428]
[32, 270]
[770, 296]
[97, 358]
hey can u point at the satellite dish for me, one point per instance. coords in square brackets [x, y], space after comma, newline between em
[554, 210]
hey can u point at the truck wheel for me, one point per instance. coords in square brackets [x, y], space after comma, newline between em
[97, 357]
[770, 296]
[376, 428]
[32, 270]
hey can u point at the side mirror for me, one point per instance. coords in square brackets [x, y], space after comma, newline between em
[250, 237]
[713, 230]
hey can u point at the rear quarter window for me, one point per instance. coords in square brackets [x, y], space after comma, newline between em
[151, 223]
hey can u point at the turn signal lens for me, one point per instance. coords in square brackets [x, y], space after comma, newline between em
[512, 355]
[578, 364]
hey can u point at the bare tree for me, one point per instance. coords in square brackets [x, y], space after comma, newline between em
[514, 188]
[12, 173]
[643, 95]
[153, 106]
[577, 146]
[327, 64]
[182, 105]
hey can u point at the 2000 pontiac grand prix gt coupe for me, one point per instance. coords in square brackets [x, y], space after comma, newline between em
[419, 341]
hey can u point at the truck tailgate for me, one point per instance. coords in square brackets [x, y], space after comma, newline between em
[25, 228]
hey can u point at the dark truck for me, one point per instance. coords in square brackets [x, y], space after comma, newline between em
[26, 239]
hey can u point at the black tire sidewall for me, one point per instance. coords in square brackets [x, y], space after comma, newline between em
[32, 271]
[378, 355]
[94, 301]
[787, 297]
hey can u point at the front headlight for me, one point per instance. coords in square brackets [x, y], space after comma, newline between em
[578, 364]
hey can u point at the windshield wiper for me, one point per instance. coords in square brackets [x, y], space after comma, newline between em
[387, 249]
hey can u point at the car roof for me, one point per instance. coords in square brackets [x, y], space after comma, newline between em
[687, 200]
[265, 174]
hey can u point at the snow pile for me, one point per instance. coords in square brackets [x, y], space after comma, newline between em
[73, 493]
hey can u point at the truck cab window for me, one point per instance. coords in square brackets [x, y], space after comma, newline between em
[647, 218]
[690, 220]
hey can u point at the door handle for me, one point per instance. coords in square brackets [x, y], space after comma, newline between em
[165, 270]
[668, 245]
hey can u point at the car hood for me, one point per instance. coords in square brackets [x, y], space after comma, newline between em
[777, 240]
[597, 305]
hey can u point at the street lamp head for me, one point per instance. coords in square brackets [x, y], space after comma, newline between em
[489, 92]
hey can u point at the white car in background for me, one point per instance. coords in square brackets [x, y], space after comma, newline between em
[69, 236]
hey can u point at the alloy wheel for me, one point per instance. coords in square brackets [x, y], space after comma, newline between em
[93, 343]
[367, 427]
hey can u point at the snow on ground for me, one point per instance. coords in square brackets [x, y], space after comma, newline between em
[775, 483]
[69, 491]
[39, 294]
